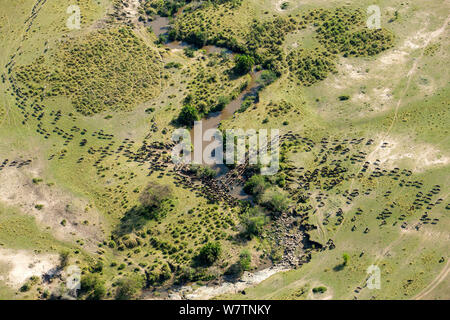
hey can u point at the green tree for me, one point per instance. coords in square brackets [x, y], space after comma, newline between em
[346, 258]
[275, 200]
[128, 288]
[64, 259]
[320, 289]
[267, 77]
[245, 260]
[253, 222]
[188, 115]
[92, 287]
[244, 63]
[222, 102]
[256, 186]
[155, 200]
[210, 252]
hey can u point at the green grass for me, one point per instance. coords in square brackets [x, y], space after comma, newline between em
[111, 188]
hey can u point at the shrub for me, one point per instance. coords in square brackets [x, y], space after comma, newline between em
[155, 199]
[64, 259]
[188, 115]
[267, 77]
[248, 101]
[245, 260]
[346, 258]
[37, 180]
[320, 289]
[189, 52]
[129, 288]
[222, 102]
[310, 66]
[275, 200]
[244, 63]
[253, 222]
[204, 172]
[92, 287]
[256, 186]
[210, 252]
[26, 287]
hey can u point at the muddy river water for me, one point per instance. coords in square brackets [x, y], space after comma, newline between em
[160, 26]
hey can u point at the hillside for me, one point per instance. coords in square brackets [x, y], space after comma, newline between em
[88, 183]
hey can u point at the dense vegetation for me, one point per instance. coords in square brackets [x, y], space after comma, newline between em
[169, 8]
[107, 69]
[158, 238]
[212, 86]
[340, 31]
[344, 31]
[310, 66]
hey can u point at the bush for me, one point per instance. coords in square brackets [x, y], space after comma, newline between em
[64, 259]
[154, 194]
[253, 222]
[210, 252]
[92, 287]
[267, 77]
[256, 186]
[248, 101]
[244, 63]
[275, 200]
[155, 199]
[222, 102]
[26, 287]
[204, 172]
[129, 288]
[346, 258]
[320, 289]
[310, 66]
[245, 260]
[188, 115]
[189, 52]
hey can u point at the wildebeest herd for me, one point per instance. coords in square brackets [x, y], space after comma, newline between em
[309, 188]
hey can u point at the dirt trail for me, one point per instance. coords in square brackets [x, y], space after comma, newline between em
[436, 281]
[411, 72]
[23, 264]
[409, 76]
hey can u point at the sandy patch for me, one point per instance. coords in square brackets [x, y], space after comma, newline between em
[131, 9]
[394, 57]
[419, 156]
[376, 100]
[18, 190]
[23, 264]
[291, 5]
[352, 72]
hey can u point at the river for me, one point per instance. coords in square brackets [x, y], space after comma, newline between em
[160, 26]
